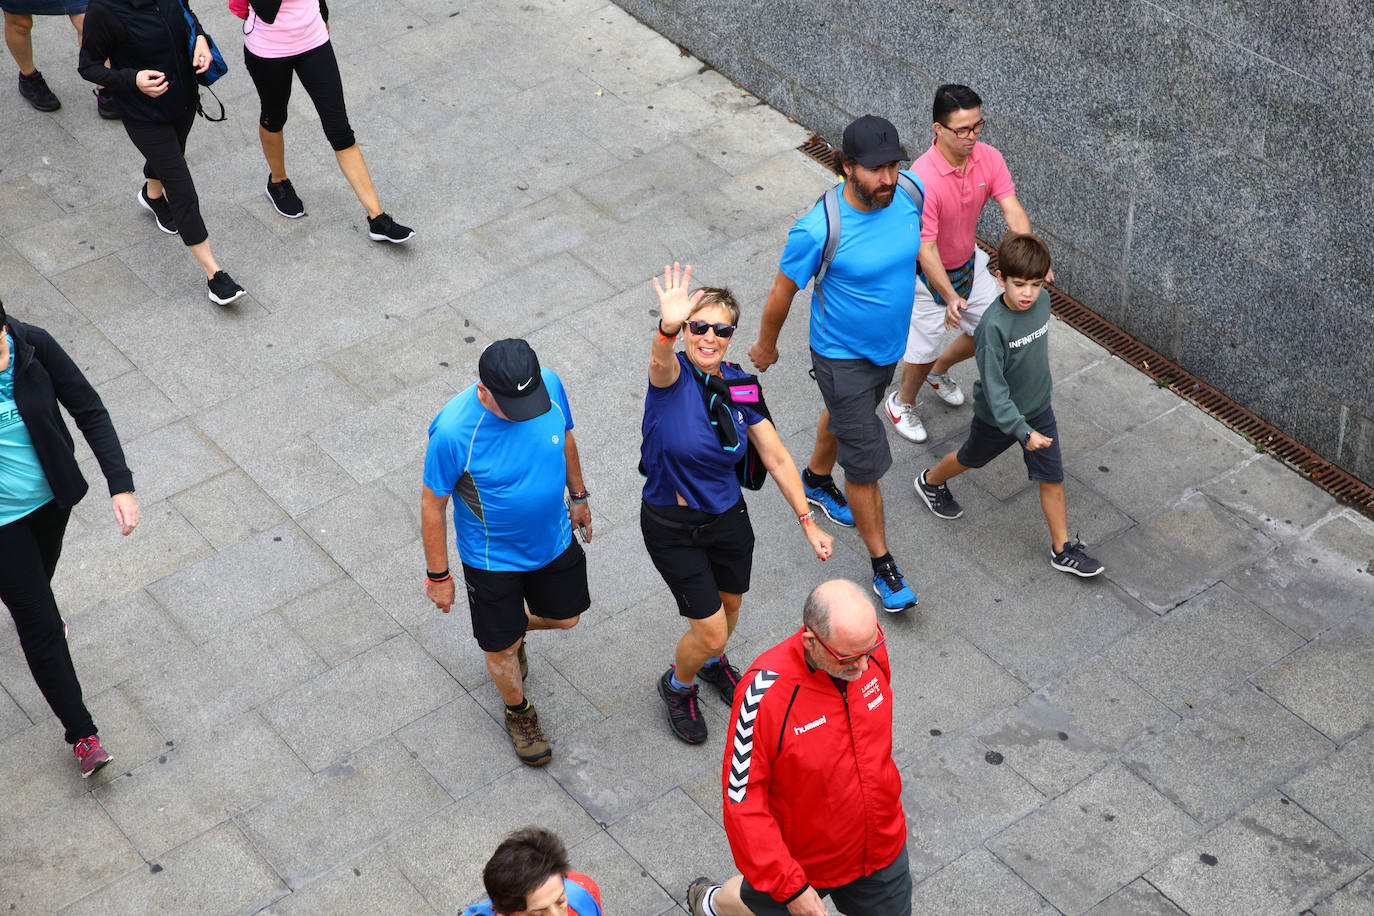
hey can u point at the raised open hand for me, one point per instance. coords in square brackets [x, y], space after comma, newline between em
[673, 302]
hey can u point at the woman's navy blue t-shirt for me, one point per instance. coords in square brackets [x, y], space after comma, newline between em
[681, 452]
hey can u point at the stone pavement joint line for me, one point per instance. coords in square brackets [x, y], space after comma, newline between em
[297, 730]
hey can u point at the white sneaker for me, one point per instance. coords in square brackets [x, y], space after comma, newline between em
[946, 388]
[903, 416]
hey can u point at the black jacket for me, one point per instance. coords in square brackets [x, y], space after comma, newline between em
[139, 35]
[45, 375]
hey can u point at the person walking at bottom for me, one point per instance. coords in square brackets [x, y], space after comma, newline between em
[505, 448]
[813, 799]
[39, 483]
[528, 875]
[701, 415]
[1011, 400]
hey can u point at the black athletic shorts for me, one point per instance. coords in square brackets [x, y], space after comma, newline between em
[698, 554]
[497, 597]
[852, 389]
[886, 892]
[985, 442]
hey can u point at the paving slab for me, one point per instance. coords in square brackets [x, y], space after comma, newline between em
[956, 797]
[1139, 898]
[218, 871]
[1355, 898]
[1094, 839]
[1337, 791]
[1330, 681]
[1272, 497]
[649, 836]
[977, 884]
[44, 864]
[1213, 763]
[625, 885]
[1063, 733]
[365, 885]
[1240, 639]
[1272, 858]
[1180, 551]
[227, 509]
[316, 823]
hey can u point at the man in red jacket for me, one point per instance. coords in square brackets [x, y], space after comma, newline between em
[813, 803]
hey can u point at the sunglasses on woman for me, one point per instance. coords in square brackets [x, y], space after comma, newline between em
[723, 331]
[851, 659]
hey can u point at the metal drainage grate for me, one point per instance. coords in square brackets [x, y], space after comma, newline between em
[1263, 435]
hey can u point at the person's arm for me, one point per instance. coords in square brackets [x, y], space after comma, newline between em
[674, 305]
[783, 470]
[754, 835]
[434, 535]
[324, 13]
[990, 356]
[579, 513]
[100, 34]
[764, 350]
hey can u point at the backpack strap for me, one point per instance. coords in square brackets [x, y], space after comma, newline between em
[580, 900]
[912, 189]
[830, 202]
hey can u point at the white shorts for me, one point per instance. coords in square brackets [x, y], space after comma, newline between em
[926, 338]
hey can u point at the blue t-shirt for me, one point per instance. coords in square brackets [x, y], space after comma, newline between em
[508, 479]
[23, 485]
[871, 283]
[681, 451]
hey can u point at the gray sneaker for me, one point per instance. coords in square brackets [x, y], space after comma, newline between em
[938, 499]
[1073, 559]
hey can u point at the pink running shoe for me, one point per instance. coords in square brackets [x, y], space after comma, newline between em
[91, 755]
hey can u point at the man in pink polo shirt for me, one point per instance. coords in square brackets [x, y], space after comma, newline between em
[959, 175]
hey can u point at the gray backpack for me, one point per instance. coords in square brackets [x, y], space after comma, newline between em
[831, 201]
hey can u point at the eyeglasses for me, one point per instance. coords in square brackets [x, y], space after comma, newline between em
[963, 133]
[723, 331]
[850, 659]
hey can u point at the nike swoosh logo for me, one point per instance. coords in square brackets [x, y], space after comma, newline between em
[526, 385]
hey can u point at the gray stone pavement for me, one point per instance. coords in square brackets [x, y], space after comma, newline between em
[297, 730]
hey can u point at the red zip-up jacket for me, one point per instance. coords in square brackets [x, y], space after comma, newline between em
[812, 796]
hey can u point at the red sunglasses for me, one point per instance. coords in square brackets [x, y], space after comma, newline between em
[850, 659]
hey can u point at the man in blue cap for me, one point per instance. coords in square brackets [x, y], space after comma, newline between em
[505, 448]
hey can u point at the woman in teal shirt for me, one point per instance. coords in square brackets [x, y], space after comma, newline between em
[39, 484]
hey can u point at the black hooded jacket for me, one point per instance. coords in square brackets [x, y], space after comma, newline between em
[136, 35]
[45, 376]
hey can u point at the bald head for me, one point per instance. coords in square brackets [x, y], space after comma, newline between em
[838, 608]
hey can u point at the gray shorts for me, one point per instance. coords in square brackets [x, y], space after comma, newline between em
[852, 390]
[886, 892]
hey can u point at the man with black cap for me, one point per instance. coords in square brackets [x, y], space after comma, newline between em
[860, 311]
[505, 448]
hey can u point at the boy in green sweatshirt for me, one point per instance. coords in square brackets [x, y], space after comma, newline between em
[1011, 399]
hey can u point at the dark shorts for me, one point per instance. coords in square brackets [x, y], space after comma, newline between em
[698, 554]
[886, 892]
[852, 390]
[985, 442]
[44, 7]
[497, 598]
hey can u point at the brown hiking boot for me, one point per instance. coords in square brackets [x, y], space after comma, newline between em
[531, 745]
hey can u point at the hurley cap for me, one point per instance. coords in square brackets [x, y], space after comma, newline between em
[510, 371]
[872, 141]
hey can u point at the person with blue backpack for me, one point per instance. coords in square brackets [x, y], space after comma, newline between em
[859, 243]
[151, 55]
[528, 875]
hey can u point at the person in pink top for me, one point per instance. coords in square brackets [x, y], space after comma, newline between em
[960, 175]
[285, 37]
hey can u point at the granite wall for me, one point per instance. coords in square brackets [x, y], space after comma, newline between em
[1202, 169]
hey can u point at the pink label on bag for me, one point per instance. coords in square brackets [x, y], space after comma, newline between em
[744, 394]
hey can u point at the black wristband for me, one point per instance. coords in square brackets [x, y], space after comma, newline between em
[672, 336]
[438, 577]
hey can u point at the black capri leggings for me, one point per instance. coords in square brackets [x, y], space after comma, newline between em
[29, 548]
[164, 159]
[319, 73]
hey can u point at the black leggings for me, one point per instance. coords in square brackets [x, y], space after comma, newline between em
[319, 73]
[164, 159]
[30, 547]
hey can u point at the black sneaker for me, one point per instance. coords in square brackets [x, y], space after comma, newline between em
[1072, 559]
[35, 91]
[382, 228]
[684, 715]
[223, 289]
[161, 210]
[104, 105]
[284, 198]
[939, 499]
[723, 675]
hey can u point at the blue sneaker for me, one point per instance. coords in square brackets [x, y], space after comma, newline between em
[889, 585]
[831, 501]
